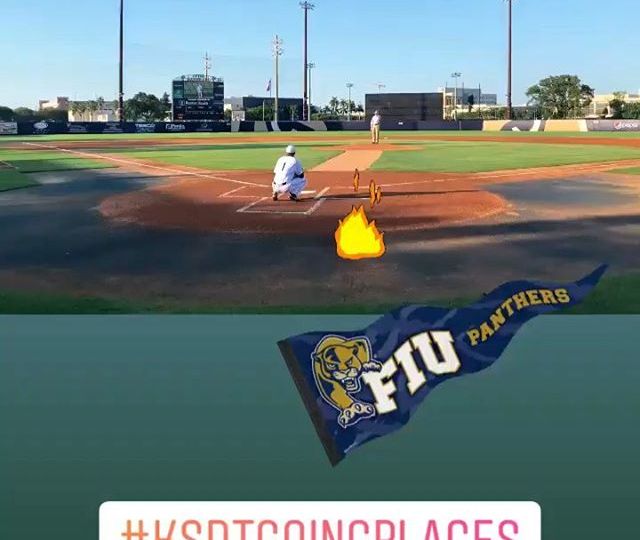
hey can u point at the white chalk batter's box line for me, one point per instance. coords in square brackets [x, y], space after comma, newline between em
[234, 194]
[319, 201]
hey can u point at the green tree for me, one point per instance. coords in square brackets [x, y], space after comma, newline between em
[256, 113]
[617, 107]
[24, 114]
[100, 102]
[560, 96]
[52, 114]
[471, 101]
[6, 114]
[78, 108]
[334, 105]
[92, 108]
[144, 107]
[631, 111]
[165, 106]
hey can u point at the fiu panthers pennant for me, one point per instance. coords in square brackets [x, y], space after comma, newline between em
[361, 385]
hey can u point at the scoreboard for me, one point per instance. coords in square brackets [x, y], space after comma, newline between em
[196, 97]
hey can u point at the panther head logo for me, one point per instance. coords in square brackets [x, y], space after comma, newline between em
[338, 364]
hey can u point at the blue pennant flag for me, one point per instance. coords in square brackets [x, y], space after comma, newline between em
[361, 385]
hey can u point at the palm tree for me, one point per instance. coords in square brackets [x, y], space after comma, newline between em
[79, 108]
[100, 103]
[92, 107]
[344, 106]
[334, 104]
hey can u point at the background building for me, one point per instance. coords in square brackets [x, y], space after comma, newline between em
[600, 104]
[198, 97]
[92, 111]
[59, 104]
[407, 106]
[288, 108]
[462, 95]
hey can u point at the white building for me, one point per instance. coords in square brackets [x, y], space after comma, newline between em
[58, 104]
[80, 111]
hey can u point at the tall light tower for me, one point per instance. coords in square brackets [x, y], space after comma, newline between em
[121, 66]
[306, 6]
[310, 66]
[349, 87]
[380, 87]
[509, 111]
[277, 53]
[207, 66]
[455, 76]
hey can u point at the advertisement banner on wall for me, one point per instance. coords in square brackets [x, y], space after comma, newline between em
[174, 127]
[113, 127]
[613, 125]
[74, 127]
[8, 128]
[145, 128]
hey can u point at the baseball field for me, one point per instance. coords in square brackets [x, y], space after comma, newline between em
[185, 223]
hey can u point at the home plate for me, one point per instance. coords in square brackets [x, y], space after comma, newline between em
[306, 205]
[265, 205]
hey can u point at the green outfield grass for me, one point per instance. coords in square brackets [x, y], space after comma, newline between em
[464, 156]
[630, 170]
[230, 157]
[29, 161]
[319, 134]
[13, 179]
[613, 295]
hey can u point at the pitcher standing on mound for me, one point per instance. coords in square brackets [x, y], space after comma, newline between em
[375, 127]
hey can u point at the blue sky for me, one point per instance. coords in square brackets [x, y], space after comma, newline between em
[68, 47]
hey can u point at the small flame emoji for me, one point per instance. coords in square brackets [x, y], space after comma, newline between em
[356, 238]
[356, 180]
[375, 193]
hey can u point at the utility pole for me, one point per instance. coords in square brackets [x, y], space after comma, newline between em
[349, 86]
[306, 6]
[277, 53]
[121, 77]
[311, 66]
[455, 76]
[509, 111]
[207, 66]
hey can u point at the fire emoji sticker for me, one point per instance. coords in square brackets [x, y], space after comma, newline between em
[356, 238]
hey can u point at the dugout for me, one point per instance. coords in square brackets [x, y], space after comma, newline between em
[405, 106]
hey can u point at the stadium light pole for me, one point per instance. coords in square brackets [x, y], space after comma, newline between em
[306, 6]
[311, 66]
[349, 86]
[277, 53]
[455, 76]
[509, 111]
[121, 66]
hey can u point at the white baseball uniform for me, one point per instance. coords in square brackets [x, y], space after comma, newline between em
[376, 119]
[288, 176]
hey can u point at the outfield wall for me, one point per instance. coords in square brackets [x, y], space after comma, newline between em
[45, 128]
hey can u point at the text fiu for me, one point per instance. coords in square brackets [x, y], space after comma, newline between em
[441, 362]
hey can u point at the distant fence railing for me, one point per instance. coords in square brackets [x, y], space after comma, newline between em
[55, 128]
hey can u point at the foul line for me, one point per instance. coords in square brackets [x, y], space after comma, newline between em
[573, 169]
[137, 164]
